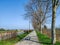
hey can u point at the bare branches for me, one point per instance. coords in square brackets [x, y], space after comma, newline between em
[38, 10]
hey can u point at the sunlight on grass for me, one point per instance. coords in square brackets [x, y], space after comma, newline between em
[44, 39]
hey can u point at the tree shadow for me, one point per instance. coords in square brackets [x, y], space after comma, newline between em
[28, 39]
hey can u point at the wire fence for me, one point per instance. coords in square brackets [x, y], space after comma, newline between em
[8, 35]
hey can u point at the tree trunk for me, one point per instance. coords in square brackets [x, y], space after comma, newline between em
[41, 28]
[53, 22]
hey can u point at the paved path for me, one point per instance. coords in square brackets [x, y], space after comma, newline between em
[30, 39]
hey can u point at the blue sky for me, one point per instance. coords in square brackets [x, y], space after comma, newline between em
[12, 15]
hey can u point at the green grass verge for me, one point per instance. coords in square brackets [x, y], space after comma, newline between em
[44, 39]
[14, 40]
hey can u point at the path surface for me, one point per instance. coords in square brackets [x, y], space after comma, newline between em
[30, 39]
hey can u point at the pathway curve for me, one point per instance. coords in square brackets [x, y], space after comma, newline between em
[30, 39]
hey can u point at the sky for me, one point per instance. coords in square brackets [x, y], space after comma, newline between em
[12, 15]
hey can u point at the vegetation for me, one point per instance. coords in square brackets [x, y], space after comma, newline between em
[13, 40]
[44, 39]
[39, 11]
[2, 29]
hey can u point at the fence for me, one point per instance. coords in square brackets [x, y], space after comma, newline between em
[8, 35]
[48, 32]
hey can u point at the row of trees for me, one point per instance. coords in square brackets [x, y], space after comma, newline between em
[40, 11]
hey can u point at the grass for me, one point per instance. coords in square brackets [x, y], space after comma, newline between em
[13, 40]
[44, 39]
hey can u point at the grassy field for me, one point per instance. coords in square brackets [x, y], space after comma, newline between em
[13, 40]
[44, 39]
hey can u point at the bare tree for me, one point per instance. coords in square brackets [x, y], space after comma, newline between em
[39, 10]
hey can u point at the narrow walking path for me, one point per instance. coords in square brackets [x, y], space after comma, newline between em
[30, 39]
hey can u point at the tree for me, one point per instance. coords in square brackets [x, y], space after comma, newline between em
[38, 10]
[2, 29]
[45, 27]
[54, 7]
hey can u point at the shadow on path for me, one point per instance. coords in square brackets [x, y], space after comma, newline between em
[29, 39]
